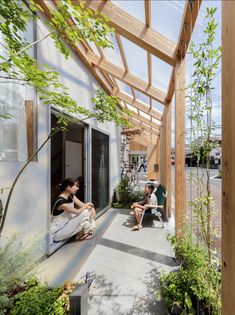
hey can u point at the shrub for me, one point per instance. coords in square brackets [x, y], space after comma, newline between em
[124, 195]
[15, 261]
[196, 282]
[38, 299]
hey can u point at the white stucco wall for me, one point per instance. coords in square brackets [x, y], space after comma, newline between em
[29, 208]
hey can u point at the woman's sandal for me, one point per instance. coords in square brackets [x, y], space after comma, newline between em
[83, 237]
[86, 236]
[136, 227]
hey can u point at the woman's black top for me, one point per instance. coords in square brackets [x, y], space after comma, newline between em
[58, 202]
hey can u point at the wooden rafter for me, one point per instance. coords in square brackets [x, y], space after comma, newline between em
[150, 105]
[121, 50]
[147, 7]
[126, 77]
[138, 123]
[138, 105]
[134, 30]
[79, 50]
[145, 139]
[82, 53]
[143, 119]
[149, 60]
[142, 141]
[187, 26]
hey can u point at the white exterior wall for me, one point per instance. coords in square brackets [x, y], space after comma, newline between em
[29, 208]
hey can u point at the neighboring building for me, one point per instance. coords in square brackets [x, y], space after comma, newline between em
[84, 151]
[136, 152]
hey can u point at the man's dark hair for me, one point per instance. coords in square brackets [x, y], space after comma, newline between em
[151, 186]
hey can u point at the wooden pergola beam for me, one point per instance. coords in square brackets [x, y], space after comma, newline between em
[126, 77]
[143, 119]
[138, 105]
[138, 123]
[187, 26]
[135, 31]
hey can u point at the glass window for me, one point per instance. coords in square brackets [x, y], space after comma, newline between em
[100, 170]
[14, 144]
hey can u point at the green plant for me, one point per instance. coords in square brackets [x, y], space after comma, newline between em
[197, 282]
[206, 60]
[15, 261]
[39, 299]
[125, 195]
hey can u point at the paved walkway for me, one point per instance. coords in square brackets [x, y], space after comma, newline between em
[126, 265]
[126, 268]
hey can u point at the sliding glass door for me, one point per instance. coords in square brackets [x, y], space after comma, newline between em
[100, 170]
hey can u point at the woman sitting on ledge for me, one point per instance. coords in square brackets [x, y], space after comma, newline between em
[67, 220]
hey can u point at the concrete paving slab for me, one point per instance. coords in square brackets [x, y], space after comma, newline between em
[127, 267]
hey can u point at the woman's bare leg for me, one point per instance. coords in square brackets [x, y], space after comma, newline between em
[93, 212]
[137, 212]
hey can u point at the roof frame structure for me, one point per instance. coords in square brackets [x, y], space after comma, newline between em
[134, 30]
[145, 37]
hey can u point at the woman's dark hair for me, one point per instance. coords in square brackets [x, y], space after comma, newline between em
[65, 183]
[151, 186]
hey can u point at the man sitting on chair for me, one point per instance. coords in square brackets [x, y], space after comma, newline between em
[151, 200]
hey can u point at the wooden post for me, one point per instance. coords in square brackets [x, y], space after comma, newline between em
[179, 146]
[168, 159]
[163, 150]
[165, 169]
[228, 158]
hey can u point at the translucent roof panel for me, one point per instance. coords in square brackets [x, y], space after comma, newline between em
[93, 47]
[167, 16]
[132, 108]
[161, 74]
[113, 54]
[136, 59]
[158, 106]
[124, 87]
[141, 97]
[144, 115]
[156, 121]
[134, 8]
